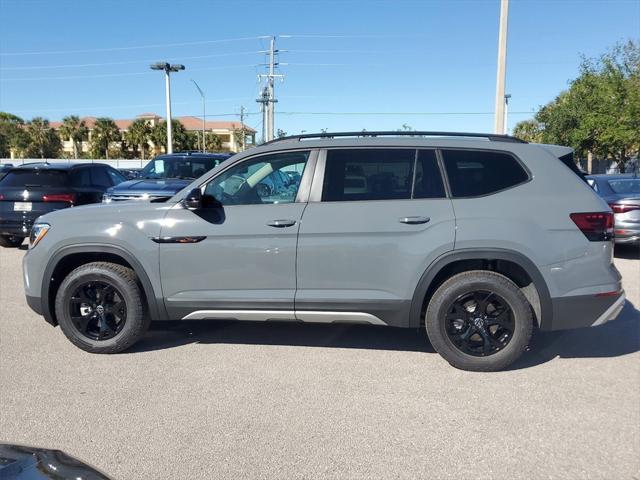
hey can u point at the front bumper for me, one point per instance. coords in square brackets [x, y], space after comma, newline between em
[580, 311]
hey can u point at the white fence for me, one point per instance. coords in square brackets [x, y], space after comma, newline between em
[116, 162]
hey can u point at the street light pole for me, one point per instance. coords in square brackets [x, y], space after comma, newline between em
[167, 70]
[204, 140]
[498, 126]
[506, 113]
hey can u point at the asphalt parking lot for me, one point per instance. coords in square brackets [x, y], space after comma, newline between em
[241, 400]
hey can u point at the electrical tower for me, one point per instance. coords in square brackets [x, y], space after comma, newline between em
[267, 96]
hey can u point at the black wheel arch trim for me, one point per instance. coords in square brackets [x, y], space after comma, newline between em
[546, 306]
[155, 303]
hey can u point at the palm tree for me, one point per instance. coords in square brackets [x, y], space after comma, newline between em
[138, 135]
[38, 130]
[105, 131]
[75, 130]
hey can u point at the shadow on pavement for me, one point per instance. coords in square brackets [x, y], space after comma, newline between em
[615, 338]
[172, 334]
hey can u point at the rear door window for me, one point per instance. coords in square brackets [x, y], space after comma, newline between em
[475, 173]
[428, 182]
[81, 178]
[100, 178]
[35, 178]
[368, 174]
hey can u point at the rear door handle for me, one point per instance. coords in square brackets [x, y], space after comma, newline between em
[281, 223]
[414, 220]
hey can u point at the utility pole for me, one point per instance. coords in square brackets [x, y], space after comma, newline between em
[270, 100]
[243, 138]
[263, 100]
[167, 70]
[498, 125]
[204, 139]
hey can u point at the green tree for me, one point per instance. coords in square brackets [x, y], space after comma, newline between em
[528, 130]
[74, 130]
[12, 134]
[44, 142]
[138, 136]
[181, 139]
[600, 112]
[105, 132]
[214, 142]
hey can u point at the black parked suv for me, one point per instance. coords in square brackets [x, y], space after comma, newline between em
[165, 175]
[31, 190]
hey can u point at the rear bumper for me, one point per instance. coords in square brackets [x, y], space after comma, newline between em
[584, 311]
[19, 227]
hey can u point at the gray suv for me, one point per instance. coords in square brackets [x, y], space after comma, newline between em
[480, 239]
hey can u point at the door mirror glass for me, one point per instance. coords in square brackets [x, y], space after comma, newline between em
[193, 201]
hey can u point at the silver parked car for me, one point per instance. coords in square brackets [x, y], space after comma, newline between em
[622, 193]
[477, 238]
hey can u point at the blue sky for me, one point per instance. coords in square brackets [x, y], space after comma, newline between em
[374, 64]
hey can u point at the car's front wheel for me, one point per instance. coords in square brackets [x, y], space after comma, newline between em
[99, 308]
[10, 241]
[479, 320]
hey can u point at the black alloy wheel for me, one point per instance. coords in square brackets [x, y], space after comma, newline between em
[479, 323]
[98, 310]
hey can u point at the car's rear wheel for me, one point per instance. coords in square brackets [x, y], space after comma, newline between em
[11, 241]
[479, 320]
[99, 308]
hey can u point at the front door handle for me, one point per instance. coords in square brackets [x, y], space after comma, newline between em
[281, 223]
[414, 220]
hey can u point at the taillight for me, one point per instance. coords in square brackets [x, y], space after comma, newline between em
[623, 208]
[597, 227]
[59, 197]
[1, 197]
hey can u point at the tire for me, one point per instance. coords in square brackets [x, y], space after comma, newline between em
[104, 277]
[503, 322]
[10, 241]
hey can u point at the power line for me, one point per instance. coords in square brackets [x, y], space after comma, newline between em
[128, 62]
[107, 75]
[401, 113]
[134, 47]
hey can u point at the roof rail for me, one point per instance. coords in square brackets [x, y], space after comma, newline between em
[494, 137]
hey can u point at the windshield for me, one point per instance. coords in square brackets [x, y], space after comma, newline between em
[35, 178]
[625, 185]
[178, 167]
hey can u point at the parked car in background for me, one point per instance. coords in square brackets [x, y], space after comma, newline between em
[4, 168]
[622, 193]
[130, 173]
[31, 190]
[19, 462]
[480, 239]
[165, 175]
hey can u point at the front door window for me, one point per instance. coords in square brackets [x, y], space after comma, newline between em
[268, 179]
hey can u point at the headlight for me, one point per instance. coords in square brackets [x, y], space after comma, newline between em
[38, 231]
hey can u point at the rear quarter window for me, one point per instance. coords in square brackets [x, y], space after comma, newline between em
[35, 178]
[476, 173]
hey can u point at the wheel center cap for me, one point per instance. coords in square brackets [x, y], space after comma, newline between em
[100, 310]
[478, 322]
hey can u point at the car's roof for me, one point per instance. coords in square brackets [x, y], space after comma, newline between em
[56, 166]
[613, 176]
[216, 156]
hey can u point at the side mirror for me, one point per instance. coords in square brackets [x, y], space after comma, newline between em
[193, 201]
